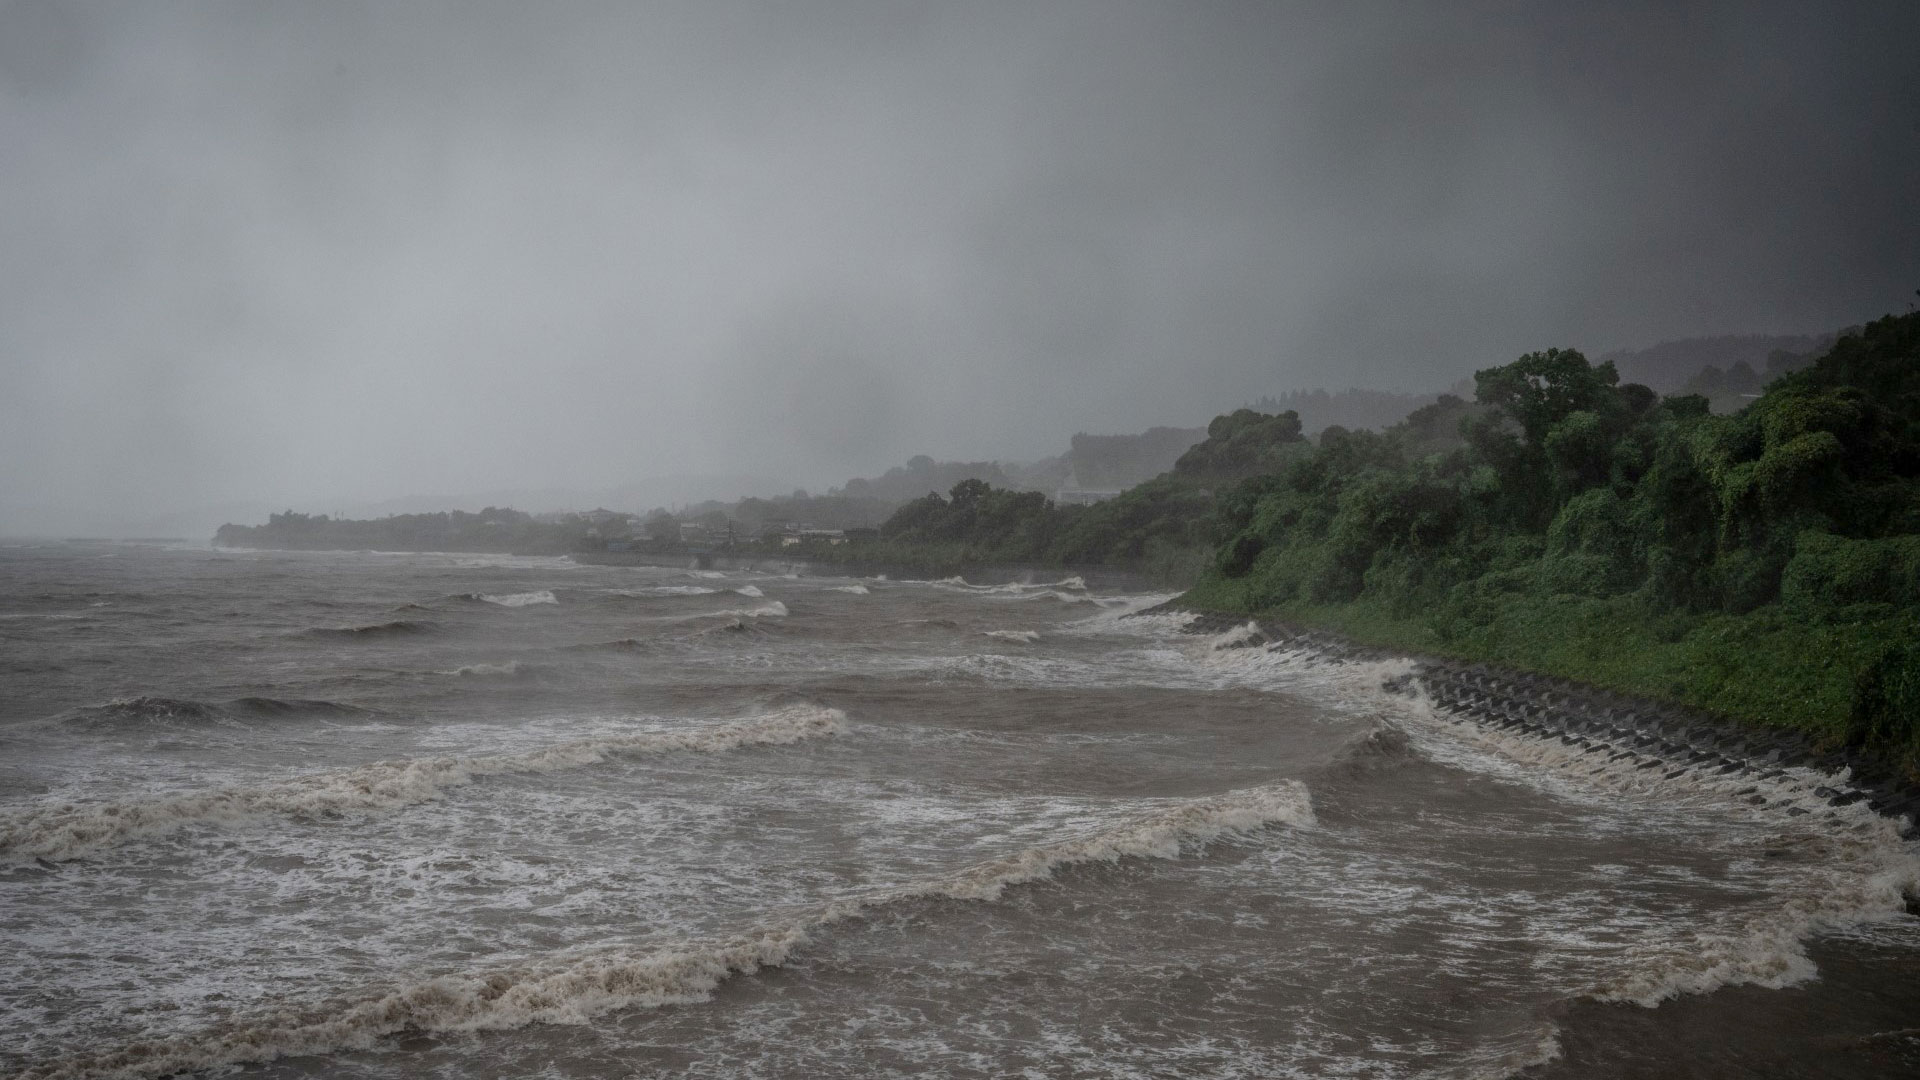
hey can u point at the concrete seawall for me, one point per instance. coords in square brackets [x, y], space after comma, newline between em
[1612, 728]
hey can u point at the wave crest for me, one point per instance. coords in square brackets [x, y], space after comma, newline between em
[772, 609]
[176, 713]
[395, 628]
[145, 710]
[543, 596]
[576, 990]
[67, 830]
[506, 670]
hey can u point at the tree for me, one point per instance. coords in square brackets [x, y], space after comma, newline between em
[1543, 388]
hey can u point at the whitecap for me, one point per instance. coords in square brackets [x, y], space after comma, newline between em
[572, 989]
[66, 830]
[544, 596]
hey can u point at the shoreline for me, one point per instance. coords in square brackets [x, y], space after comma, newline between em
[1505, 697]
[1098, 577]
[1592, 720]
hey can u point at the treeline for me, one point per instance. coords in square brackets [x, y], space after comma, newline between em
[1166, 528]
[1351, 408]
[1679, 366]
[1093, 462]
[494, 530]
[1765, 563]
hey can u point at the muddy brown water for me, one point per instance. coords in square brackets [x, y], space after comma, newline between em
[358, 814]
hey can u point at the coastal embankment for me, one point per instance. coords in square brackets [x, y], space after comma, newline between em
[1595, 730]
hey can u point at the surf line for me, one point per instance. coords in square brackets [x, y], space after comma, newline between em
[68, 830]
[683, 973]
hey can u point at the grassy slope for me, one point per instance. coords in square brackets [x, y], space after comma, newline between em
[1766, 667]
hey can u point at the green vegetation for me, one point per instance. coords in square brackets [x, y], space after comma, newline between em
[1715, 365]
[1764, 564]
[1113, 462]
[491, 530]
[1163, 529]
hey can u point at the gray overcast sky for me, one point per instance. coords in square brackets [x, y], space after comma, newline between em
[297, 253]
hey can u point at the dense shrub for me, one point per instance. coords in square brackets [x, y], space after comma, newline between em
[1757, 562]
[1569, 500]
[1886, 704]
[1832, 571]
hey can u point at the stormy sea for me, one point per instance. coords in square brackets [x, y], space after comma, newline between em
[284, 814]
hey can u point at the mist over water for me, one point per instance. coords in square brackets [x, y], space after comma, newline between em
[328, 257]
[397, 815]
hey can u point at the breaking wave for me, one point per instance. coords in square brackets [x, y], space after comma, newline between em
[1015, 588]
[1027, 637]
[66, 830]
[510, 669]
[142, 711]
[1866, 871]
[750, 590]
[1377, 750]
[576, 989]
[1865, 874]
[165, 712]
[616, 645]
[771, 609]
[857, 590]
[268, 706]
[395, 628]
[1075, 598]
[544, 596]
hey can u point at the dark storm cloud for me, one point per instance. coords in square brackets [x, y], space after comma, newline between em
[312, 252]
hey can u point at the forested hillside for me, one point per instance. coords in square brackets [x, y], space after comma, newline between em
[1765, 563]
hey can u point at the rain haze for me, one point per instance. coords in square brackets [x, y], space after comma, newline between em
[323, 255]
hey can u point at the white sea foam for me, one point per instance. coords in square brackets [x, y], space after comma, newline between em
[670, 590]
[857, 590]
[1769, 949]
[1239, 635]
[541, 562]
[750, 590]
[771, 609]
[66, 830]
[1127, 619]
[1864, 870]
[1070, 597]
[544, 596]
[1014, 588]
[1024, 636]
[504, 670]
[576, 988]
